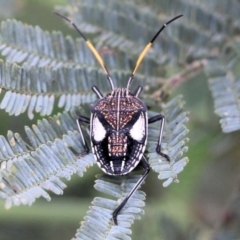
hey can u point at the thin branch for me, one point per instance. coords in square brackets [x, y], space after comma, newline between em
[172, 83]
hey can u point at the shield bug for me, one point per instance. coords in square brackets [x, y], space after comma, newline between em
[119, 124]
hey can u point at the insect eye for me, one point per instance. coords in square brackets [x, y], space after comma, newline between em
[98, 130]
[138, 130]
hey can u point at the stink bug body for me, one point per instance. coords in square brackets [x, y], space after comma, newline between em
[119, 125]
[118, 131]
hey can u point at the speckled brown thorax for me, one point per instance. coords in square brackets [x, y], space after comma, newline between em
[118, 108]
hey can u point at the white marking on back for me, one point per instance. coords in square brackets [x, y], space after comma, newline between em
[118, 111]
[99, 164]
[138, 130]
[130, 169]
[123, 164]
[111, 164]
[98, 131]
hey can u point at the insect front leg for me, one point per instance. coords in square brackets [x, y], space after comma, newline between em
[80, 120]
[146, 167]
[97, 92]
[161, 118]
[138, 91]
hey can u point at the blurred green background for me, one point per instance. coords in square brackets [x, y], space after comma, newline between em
[195, 204]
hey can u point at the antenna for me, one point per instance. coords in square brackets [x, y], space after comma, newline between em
[145, 50]
[92, 48]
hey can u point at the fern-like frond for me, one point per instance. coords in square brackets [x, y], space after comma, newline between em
[225, 88]
[24, 43]
[20, 42]
[204, 15]
[32, 88]
[98, 224]
[35, 89]
[173, 143]
[205, 26]
[27, 170]
[129, 27]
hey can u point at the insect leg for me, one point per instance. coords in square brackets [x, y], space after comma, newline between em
[79, 120]
[97, 91]
[138, 91]
[158, 148]
[146, 167]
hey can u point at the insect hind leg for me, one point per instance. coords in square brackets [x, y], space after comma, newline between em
[161, 118]
[146, 167]
[80, 120]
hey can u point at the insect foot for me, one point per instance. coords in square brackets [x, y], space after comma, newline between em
[158, 151]
[115, 217]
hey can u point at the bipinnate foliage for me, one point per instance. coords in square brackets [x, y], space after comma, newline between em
[224, 82]
[41, 67]
[100, 214]
[29, 169]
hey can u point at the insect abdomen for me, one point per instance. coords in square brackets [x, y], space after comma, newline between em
[117, 145]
